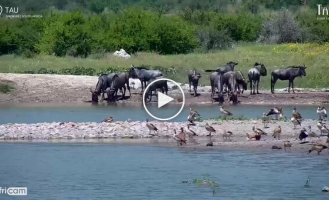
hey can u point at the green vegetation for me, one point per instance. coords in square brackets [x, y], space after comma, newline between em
[6, 88]
[314, 56]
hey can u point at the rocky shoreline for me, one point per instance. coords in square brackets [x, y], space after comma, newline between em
[136, 132]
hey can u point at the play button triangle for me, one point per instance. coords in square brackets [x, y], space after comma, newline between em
[163, 99]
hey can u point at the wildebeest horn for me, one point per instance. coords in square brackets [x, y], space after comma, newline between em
[210, 70]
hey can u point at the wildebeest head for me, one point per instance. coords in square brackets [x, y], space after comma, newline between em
[195, 75]
[232, 63]
[262, 69]
[233, 97]
[94, 96]
[132, 72]
[301, 70]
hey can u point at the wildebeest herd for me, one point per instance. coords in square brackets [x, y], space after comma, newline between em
[225, 81]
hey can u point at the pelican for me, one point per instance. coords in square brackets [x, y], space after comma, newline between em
[227, 135]
[322, 112]
[265, 120]
[277, 132]
[303, 134]
[322, 127]
[223, 111]
[276, 111]
[318, 148]
[287, 145]
[258, 131]
[210, 129]
[192, 116]
[180, 137]
[151, 128]
[108, 119]
[296, 121]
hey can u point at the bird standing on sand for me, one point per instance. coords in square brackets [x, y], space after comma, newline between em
[180, 137]
[296, 118]
[318, 148]
[277, 132]
[265, 120]
[227, 135]
[322, 127]
[311, 133]
[192, 116]
[322, 112]
[303, 134]
[258, 131]
[210, 129]
[191, 132]
[287, 145]
[151, 128]
[276, 112]
[223, 111]
[296, 114]
[108, 119]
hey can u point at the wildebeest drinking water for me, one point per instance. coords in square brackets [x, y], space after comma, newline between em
[193, 79]
[254, 75]
[161, 85]
[104, 81]
[119, 82]
[289, 73]
[144, 75]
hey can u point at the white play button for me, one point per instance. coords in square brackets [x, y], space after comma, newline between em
[163, 99]
[154, 92]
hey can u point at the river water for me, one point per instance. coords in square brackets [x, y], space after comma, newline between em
[109, 171]
[96, 113]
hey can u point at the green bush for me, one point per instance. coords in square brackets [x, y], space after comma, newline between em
[78, 71]
[6, 88]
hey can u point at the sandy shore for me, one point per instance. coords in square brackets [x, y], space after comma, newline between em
[135, 132]
[45, 88]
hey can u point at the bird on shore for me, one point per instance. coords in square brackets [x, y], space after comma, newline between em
[322, 127]
[311, 133]
[265, 120]
[276, 112]
[303, 134]
[287, 145]
[258, 131]
[277, 132]
[255, 136]
[108, 119]
[210, 129]
[191, 132]
[295, 121]
[223, 111]
[318, 148]
[296, 114]
[322, 112]
[180, 137]
[192, 116]
[227, 135]
[151, 128]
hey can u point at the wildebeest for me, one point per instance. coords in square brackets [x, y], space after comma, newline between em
[193, 79]
[119, 81]
[254, 75]
[230, 80]
[158, 85]
[226, 68]
[241, 82]
[103, 83]
[144, 75]
[216, 82]
[289, 73]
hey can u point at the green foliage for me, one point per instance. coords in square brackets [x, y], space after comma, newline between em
[79, 71]
[6, 88]
[66, 35]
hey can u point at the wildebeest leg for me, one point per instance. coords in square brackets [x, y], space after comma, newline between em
[124, 92]
[289, 85]
[257, 83]
[250, 83]
[292, 86]
[273, 81]
[189, 83]
[128, 87]
[195, 86]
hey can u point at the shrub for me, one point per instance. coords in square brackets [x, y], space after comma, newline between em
[211, 38]
[78, 71]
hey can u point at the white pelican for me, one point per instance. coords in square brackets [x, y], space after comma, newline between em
[322, 112]
[276, 111]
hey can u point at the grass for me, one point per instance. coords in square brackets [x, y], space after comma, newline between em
[314, 56]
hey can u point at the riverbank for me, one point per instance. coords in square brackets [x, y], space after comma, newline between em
[45, 88]
[136, 132]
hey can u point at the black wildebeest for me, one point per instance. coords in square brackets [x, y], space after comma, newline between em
[144, 75]
[226, 68]
[289, 73]
[104, 81]
[230, 80]
[241, 82]
[119, 81]
[160, 84]
[193, 79]
[254, 75]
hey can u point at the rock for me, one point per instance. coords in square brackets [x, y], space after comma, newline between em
[122, 54]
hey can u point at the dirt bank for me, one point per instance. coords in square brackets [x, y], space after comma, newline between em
[44, 88]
